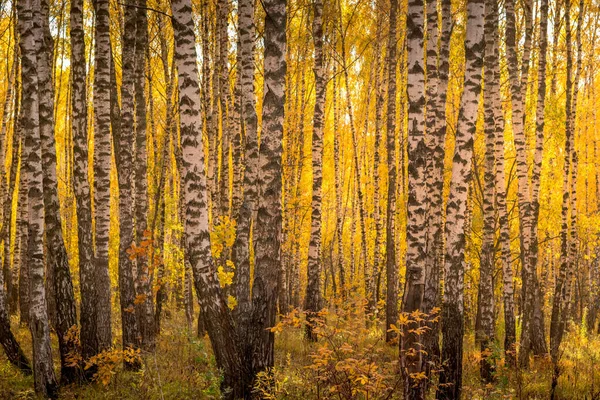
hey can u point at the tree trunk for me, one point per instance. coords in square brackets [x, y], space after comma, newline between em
[245, 217]
[485, 334]
[102, 165]
[125, 173]
[144, 275]
[533, 334]
[391, 268]
[11, 346]
[57, 259]
[339, 186]
[22, 236]
[5, 187]
[313, 287]
[88, 313]
[453, 306]
[411, 358]
[501, 193]
[224, 101]
[11, 113]
[539, 343]
[43, 371]
[368, 275]
[218, 320]
[559, 304]
[376, 177]
[436, 119]
[268, 220]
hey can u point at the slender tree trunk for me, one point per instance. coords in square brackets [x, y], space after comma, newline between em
[313, 287]
[368, 273]
[268, 220]
[43, 371]
[144, 275]
[485, 334]
[501, 193]
[125, 173]
[217, 317]
[573, 242]
[11, 346]
[88, 313]
[379, 92]
[22, 242]
[411, 358]
[559, 304]
[242, 244]
[56, 256]
[208, 104]
[538, 323]
[391, 268]
[102, 162]
[533, 334]
[11, 113]
[224, 101]
[5, 187]
[453, 306]
[339, 186]
[436, 117]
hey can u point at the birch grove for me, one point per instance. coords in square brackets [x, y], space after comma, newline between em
[299, 199]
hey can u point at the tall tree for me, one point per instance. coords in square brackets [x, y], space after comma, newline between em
[411, 358]
[367, 270]
[453, 304]
[533, 331]
[144, 275]
[391, 268]
[57, 259]
[536, 172]
[43, 370]
[217, 318]
[438, 66]
[493, 88]
[102, 166]
[245, 217]
[125, 173]
[485, 298]
[11, 346]
[268, 219]
[313, 287]
[224, 93]
[339, 184]
[559, 303]
[88, 313]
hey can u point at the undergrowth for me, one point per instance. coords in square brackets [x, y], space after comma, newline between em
[350, 361]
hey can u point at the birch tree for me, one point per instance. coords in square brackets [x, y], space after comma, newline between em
[485, 333]
[129, 322]
[391, 310]
[88, 312]
[43, 371]
[217, 318]
[453, 307]
[313, 288]
[268, 219]
[411, 361]
[56, 256]
[241, 246]
[102, 162]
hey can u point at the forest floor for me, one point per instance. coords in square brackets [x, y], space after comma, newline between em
[349, 362]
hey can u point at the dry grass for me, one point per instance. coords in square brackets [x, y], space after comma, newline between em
[183, 368]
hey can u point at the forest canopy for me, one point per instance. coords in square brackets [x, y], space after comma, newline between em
[298, 199]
